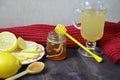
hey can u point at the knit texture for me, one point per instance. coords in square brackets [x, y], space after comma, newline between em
[110, 42]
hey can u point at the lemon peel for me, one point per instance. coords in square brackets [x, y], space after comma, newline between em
[9, 65]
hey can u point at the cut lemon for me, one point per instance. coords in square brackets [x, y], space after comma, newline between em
[33, 49]
[8, 42]
[21, 43]
[22, 56]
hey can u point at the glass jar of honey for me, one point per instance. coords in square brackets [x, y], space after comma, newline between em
[56, 46]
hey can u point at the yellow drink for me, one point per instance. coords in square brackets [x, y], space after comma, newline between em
[92, 24]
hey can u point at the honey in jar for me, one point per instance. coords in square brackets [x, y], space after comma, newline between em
[56, 46]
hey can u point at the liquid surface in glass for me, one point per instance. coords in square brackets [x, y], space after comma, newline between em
[92, 24]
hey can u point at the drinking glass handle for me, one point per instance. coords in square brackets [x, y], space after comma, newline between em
[76, 13]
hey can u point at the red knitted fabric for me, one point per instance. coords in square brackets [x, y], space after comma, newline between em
[39, 32]
[110, 43]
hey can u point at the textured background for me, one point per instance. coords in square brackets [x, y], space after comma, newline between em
[26, 12]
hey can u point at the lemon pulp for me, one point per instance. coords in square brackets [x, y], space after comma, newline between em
[8, 42]
[21, 43]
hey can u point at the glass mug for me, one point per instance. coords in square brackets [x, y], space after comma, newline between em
[93, 14]
[56, 46]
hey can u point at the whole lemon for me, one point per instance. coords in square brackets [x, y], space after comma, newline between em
[9, 65]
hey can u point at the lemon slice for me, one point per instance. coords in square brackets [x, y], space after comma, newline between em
[22, 56]
[21, 43]
[8, 42]
[33, 49]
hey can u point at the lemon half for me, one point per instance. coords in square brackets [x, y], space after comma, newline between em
[8, 42]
